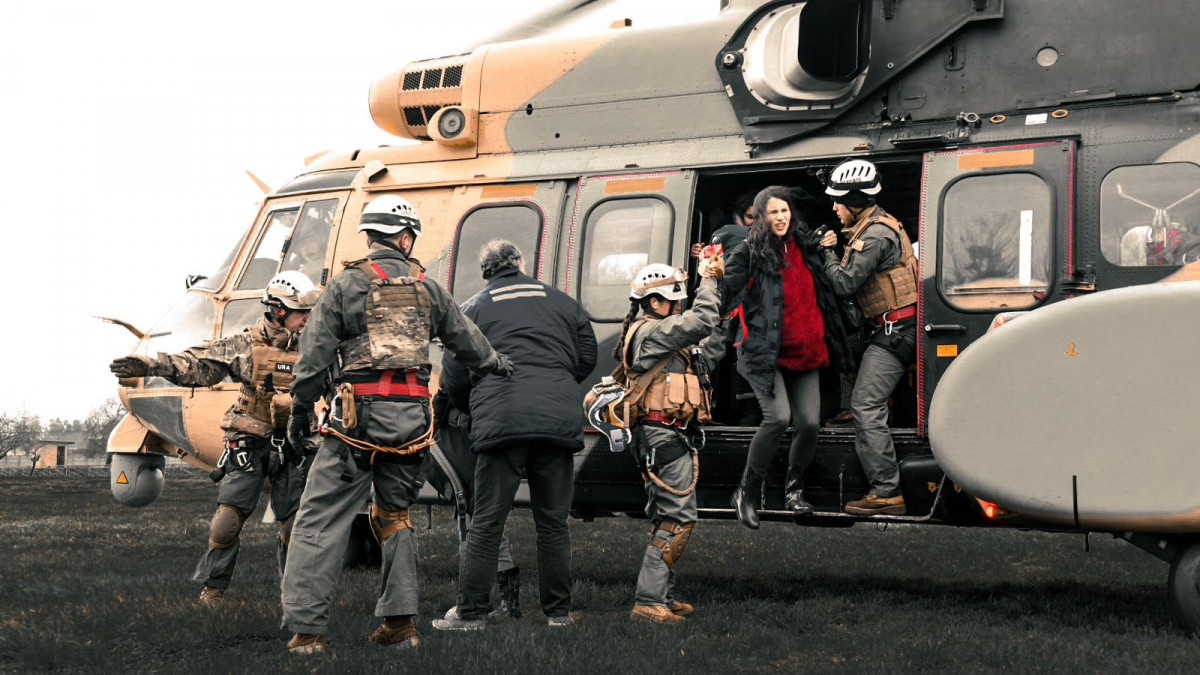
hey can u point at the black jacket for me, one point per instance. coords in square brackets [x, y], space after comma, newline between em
[549, 338]
[762, 302]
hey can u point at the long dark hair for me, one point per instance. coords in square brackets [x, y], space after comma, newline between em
[766, 250]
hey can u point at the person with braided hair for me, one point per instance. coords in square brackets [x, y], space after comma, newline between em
[667, 399]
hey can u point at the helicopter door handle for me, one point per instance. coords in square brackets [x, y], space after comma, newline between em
[944, 328]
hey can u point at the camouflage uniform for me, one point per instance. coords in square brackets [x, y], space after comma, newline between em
[341, 479]
[254, 457]
[650, 343]
[886, 357]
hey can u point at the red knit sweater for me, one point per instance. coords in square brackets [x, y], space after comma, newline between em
[802, 342]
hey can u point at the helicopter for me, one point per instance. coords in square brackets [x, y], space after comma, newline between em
[1020, 152]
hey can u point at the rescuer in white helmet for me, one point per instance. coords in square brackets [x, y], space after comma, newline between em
[261, 358]
[879, 268]
[376, 319]
[658, 350]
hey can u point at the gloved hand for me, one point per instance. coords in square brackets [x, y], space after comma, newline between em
[130, 366]
[504, 365]
[712, 268]
[299, 435]
[813, 238]
[829, 240]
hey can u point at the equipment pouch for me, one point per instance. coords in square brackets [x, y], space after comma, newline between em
[903, 285]
[656, 398]
[281, 409]
[677, 390]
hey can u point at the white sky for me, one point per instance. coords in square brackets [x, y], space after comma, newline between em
[125, 131]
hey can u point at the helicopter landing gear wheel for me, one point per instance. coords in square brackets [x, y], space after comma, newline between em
[1183, 587]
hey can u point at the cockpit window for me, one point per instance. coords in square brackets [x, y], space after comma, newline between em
[621, 236]
[266, 256]
[306, 249]
[1150, 215]
[213, 282]
[996, 242]
[188, 323]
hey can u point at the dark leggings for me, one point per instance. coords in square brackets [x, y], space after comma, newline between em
[797, 397]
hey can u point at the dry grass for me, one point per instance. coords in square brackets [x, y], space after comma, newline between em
[91, 586]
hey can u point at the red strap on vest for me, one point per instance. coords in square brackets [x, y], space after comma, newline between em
[378, 270]
[741, 316]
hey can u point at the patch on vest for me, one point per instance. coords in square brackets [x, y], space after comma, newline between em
[283, 367]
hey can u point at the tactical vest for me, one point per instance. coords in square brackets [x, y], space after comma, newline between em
[265, 402]
[676, 396]
[399, 315]
[890, 289]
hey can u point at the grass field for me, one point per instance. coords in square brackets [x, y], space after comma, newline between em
[87, 585]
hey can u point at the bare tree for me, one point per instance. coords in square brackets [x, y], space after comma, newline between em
[18, 431]
[99, 425]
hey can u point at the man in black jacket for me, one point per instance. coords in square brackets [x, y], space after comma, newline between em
[532, 423]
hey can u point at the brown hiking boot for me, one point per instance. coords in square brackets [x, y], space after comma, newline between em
[877, 506]
[305, 643]
[212, 596]
[399, 633]
[654, 613]
[842, 420]
[680, 608]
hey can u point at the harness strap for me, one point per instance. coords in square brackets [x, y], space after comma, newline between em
[689, 489]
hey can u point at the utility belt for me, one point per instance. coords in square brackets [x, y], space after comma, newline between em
[384, 385]
[892, 317]
[240, 455]
[659, 418]
[354, 399]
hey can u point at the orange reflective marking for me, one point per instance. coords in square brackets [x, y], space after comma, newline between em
[947, 351]
[504, 191]
[626, 186]
[993, 160]
[122, 480]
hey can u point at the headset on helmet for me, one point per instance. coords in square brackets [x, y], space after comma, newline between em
[659, 279]
[853, 174]
[291, 290]
[390, 214]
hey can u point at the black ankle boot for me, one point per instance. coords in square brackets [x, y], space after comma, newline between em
[508, 583]
[793, 488]
[745, 498]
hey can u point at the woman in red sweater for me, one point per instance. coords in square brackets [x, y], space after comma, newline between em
[793, 330]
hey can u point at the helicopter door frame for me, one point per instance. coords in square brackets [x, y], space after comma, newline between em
[544, 198]
[655, 207]
[996, 233]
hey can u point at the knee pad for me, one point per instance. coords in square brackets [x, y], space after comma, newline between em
[672, 539]
[226, 527]
[387, 523]
[285, 530]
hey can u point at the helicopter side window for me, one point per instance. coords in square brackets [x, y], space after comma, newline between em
[306, 248]
[519, 223]
[621, 236]
[240, 315]
[996, 242]
[266, 255]
[1150, 215]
